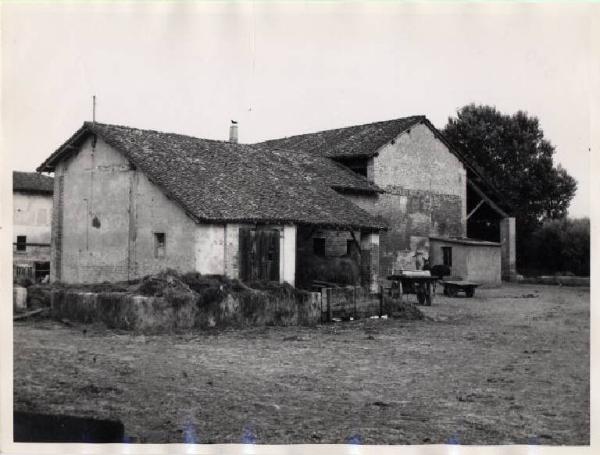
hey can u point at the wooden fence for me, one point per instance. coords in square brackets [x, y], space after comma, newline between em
[350, 302]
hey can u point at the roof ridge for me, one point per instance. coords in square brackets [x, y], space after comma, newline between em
[91, 124]
[409, 117]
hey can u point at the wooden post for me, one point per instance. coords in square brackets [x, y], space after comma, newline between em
[380, 301]
[328, 292]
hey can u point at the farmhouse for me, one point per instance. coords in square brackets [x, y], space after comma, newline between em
[32, 212]
[426, 190]
[360, 201]
[131, 202]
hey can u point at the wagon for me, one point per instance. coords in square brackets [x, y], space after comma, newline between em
[452, 288]
[412, 283]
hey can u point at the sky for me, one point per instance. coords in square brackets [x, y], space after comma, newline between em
[287, 69]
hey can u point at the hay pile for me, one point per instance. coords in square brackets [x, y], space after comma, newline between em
[170, 300]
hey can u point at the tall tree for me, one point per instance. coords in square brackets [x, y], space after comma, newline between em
[517, 159]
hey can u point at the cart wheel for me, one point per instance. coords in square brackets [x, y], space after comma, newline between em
[451, 291]
[470, 291]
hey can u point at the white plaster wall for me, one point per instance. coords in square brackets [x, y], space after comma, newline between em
[154, 212]
[210, 249]
[287, 255]
[232, 250]
[477, 263]
[96, 185]
[110, 213]
[32, 217]
[484, 265]
[417, 160]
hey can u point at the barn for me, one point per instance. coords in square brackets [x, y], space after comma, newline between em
[426, 190]
[131, 202]
[352, 205]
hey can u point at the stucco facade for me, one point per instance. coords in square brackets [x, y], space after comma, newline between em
[425, 194]
[479, 262]
[111, 223]
[32, 214]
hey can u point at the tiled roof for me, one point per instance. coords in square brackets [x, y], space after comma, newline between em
[349, 142]
[329, 172]
[32, 182]
[362, 141]
[216, 181]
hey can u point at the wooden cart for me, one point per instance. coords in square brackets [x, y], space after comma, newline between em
[452, 288]
[422, 286]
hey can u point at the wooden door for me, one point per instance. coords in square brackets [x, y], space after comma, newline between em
[259, 254]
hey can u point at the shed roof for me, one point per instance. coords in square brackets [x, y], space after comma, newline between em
[32, 182]
[217, 181]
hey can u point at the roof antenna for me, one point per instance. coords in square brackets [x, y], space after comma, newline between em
[94, 109]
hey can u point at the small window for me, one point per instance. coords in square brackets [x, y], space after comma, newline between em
[160, 244]
[319, 246]
[447, 253]
[21, 242]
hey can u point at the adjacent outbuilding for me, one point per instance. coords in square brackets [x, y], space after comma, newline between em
[469, 260]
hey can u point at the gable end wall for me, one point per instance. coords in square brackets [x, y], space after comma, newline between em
[425, 194]
[106, 213]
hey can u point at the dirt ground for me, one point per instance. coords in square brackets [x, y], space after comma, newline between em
[508, 366]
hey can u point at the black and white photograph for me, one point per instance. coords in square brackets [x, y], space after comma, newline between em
[328, 224]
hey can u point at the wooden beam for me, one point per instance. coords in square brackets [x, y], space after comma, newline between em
[475, 209]
[483, 196]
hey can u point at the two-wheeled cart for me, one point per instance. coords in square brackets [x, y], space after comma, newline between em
[413, 282]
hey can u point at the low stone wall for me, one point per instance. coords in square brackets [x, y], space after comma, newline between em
[122, 310]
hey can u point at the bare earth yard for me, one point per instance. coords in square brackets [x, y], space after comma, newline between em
[508, 366]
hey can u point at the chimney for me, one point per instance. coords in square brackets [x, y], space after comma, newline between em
[233, 132]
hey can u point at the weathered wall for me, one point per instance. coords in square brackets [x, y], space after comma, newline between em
[157, 314]
[417, 160]
[106, 215]
[287, 251]
[94, 212]
[425, 194]
[32, 215]
[210, 249]
[484, 265]
[478, 263]
[154, 212]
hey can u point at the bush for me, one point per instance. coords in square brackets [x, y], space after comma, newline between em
[561, 247]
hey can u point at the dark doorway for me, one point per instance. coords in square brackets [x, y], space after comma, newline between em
[259, 254]
[41, 270]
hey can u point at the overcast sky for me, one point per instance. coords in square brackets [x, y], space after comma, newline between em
[290, 69]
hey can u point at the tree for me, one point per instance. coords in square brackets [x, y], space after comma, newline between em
[562, 246]
[516, 158]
